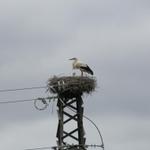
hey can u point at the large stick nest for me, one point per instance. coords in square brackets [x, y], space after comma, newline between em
[71, 86]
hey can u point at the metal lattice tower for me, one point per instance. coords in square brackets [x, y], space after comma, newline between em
[65, 117]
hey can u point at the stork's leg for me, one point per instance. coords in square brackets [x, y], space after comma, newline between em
[81, 73]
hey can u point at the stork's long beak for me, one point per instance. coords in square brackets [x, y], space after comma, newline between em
[71, 59]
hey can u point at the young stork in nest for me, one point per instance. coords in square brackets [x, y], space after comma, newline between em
[81, 66]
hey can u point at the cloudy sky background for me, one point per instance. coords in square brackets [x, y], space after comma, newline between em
[36, 40]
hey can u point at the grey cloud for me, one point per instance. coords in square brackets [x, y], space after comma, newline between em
[37, 38]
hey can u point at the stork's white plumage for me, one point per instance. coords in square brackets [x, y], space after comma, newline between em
[81, 66]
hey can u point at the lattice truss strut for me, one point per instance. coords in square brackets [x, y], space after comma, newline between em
[70, 126]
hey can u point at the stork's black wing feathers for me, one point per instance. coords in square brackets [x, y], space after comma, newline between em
[87, 69]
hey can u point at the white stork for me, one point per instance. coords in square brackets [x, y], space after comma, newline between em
[81, 66]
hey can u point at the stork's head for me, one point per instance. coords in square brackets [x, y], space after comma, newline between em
[73, 58]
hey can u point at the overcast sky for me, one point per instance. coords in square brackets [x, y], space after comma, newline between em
[36, 40]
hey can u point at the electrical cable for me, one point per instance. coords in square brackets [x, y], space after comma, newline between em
[43, 100]
[39, 148]
[17, 101]
[101, 138]
[22, 89]
[65, 146]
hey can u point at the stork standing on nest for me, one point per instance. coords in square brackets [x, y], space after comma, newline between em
[81, 66]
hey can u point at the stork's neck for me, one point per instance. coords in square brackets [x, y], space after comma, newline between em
[74, 63]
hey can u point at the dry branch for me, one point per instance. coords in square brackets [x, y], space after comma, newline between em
[71, 86]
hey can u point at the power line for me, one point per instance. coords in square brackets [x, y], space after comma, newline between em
[101, 138]
[43, 100]
[22, 89]
[64, 146]
[17, 101]
[39, 148]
